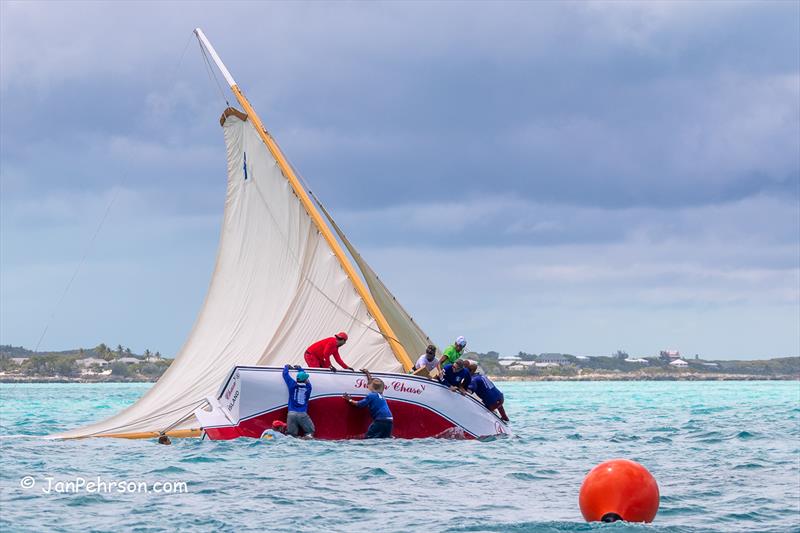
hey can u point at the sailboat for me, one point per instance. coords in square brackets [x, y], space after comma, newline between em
[281, 281]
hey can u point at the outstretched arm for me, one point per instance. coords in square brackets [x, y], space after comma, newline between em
[351, 401]
[369, 376]
[338, 358]
[286, 377]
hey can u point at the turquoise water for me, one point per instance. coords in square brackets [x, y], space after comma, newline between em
[726, 456]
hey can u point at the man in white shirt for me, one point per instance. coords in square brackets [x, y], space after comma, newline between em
[427, 361]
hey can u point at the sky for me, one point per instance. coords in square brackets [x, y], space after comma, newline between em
[575, 177]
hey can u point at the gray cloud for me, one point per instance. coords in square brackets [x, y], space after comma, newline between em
[529, 131]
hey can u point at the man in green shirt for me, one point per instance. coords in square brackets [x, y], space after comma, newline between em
[451, 354]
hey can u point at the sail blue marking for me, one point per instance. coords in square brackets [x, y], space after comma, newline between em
[245, 165]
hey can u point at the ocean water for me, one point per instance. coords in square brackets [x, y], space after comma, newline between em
[726, 456]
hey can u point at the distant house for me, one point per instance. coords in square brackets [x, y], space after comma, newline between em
[582, 357]
[552, 358]
[129, 360]
[680, 363]
[19, 360]
[152, 359]
[520, 365]
[545, 365]
[639, 361]
[507, 360]
[670, 355]
[89, 361]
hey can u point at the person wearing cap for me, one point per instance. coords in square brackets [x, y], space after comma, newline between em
[277, 431]
[299, 393]
[319, 354]
[484, 389]
[428, 361]
[382, 419]
[453, 352]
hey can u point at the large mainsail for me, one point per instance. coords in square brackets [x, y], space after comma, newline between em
[280, 282]
[276, 288]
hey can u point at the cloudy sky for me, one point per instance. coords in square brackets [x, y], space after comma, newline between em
[569, 177]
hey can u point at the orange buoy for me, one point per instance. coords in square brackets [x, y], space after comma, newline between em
[619, 490]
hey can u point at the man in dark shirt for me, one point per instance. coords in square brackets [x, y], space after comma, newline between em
[382, 420]
[456, 376]
[484, 389]
[299, 393]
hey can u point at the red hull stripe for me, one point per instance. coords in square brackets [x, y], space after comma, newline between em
[334, 420]
[390, 401]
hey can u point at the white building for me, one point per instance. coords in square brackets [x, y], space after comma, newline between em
[507, 360]
[520, 365]
[129, 360]
[639, 360]
[89, 361]
[90, 372]
[680, 363]
[19, 360]
[553, 358]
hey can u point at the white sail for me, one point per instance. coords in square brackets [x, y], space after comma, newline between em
[276, 288]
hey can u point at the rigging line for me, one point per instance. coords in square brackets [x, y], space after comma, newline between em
[184, 417]
[297, 260]
[357, 255]
[144, 419]
[119, 188]
[183, 54]
[307, 187]
[212, 75]
[86, 251]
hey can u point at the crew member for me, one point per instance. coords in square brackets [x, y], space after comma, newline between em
[428, 361]
[382, 420]
[318, 355]
[453, 352]
[484, 389]
[299, 393]
[456, 376]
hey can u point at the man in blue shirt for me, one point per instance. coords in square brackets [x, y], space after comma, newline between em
[456, 376]
[484, 389]
[299, 393]
[382, 420]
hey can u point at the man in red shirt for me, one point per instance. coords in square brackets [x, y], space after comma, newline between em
[318, 355]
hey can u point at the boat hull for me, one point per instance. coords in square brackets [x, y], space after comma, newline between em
[251, 398]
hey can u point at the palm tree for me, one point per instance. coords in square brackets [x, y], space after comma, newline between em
[128, 352]
[158, 355]
[147, 353]
[104, 352]
[119, 350]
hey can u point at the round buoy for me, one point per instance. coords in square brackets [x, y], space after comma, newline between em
[619, 490]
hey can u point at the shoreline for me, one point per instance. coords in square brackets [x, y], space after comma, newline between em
[585, 377]
[656, 377]
[62, 379]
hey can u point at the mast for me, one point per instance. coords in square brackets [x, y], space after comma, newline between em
[302, 195]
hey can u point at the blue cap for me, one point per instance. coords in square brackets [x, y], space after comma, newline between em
[302, 375]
